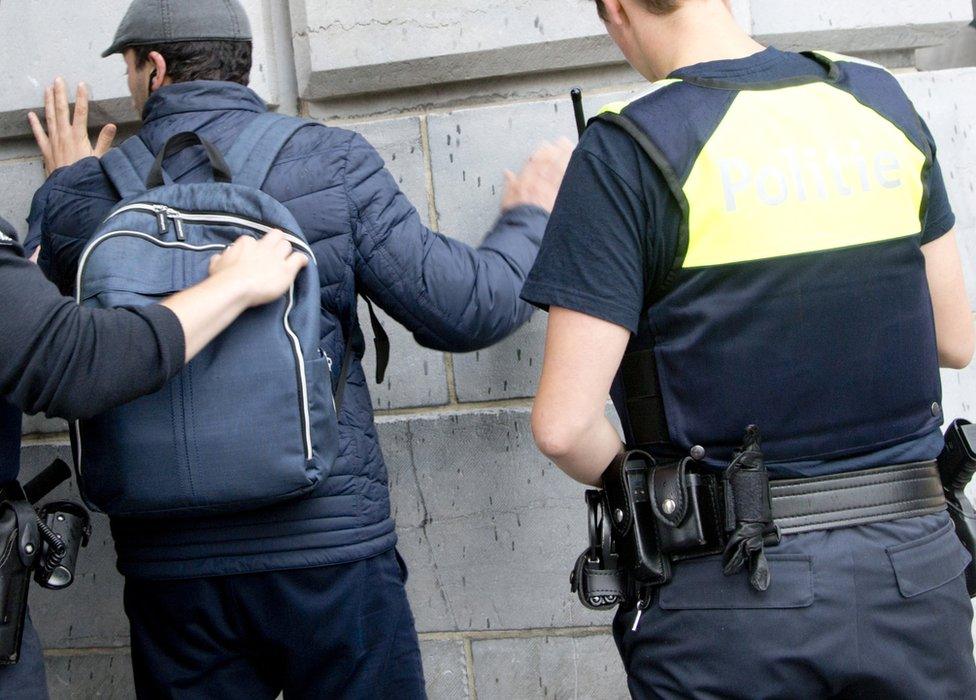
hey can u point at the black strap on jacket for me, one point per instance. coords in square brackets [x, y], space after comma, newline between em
[355, 343]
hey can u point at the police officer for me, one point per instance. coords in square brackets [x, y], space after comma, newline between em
[764, 238]
[70, 362]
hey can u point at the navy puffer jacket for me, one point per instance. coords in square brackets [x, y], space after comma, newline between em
[367, 237]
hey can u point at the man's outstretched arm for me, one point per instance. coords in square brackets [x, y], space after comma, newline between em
[452, 296]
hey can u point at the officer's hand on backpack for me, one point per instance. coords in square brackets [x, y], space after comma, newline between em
[66, 140]
[267, 267]
[539, 181]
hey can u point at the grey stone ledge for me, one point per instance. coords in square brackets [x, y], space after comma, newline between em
[381, 68]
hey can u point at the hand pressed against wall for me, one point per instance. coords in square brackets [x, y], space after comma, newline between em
[66, 140]
[539, 181]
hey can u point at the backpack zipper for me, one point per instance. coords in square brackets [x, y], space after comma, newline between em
[304, 411]
[165, 214]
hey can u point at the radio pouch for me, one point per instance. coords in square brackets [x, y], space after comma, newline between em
[66, 528]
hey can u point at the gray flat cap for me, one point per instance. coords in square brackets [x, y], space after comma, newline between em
[167, 21]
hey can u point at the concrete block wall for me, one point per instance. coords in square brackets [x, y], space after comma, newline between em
[451, 92]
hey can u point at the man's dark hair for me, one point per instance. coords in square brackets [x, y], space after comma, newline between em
[229, 61]
[658, 7]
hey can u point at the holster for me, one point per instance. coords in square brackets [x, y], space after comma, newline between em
[26, 541]
[20, 539]
[957, 465]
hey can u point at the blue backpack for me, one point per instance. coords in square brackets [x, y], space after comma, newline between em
[251, 421]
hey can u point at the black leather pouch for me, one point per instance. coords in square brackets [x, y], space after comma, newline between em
[627, 488]
[676, 502]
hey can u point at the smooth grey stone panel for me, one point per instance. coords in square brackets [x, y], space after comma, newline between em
[105, 675]
[585, 667]
[445, 670]
[489, 528]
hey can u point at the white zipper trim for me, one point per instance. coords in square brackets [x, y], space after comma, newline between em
[296, 344]
[177, 215]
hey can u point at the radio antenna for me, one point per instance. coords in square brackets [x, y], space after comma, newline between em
[577, 96]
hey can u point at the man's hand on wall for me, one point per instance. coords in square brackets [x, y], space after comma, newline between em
[66, 140]
[539, 181]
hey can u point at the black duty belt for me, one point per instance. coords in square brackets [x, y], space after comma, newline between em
[808, 504]
[857, 498]
[651, 516]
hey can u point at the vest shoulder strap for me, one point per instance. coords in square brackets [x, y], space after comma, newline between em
[674, 185]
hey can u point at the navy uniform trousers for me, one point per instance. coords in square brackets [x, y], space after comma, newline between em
[26, 679]
[342, 631]
[876, 611]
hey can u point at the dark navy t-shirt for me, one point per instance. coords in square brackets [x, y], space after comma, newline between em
[610, 236]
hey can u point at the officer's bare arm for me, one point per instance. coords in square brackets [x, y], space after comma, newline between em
[953, 313]
[569, 419]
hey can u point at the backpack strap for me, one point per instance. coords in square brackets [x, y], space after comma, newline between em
[128, 166]
[258, 146]
[381, 341]
[355, 342]
[347, 354]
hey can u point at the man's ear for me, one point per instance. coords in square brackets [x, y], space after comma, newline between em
[616, 12]
[159, 69]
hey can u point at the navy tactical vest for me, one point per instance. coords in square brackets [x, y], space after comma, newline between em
[798, 299]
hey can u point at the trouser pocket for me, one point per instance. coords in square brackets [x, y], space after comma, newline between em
[711, 635]
[929, 562]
